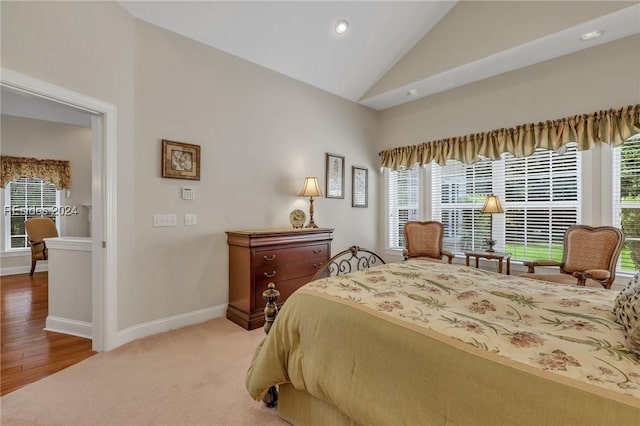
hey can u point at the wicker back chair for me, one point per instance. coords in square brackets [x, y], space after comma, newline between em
[589, 258]
[424, 241]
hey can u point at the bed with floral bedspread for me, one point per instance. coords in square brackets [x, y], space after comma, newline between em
[421, 342]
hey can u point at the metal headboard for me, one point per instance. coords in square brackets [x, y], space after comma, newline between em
[350, 260]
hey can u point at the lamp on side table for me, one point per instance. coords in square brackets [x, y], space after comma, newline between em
[311, 189]
[491, 205]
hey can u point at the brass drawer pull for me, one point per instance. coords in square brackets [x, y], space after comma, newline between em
[317, 251]
[317, 265]
[268, 258]
[271, 275]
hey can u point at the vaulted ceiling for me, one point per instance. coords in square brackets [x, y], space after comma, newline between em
[393, 51]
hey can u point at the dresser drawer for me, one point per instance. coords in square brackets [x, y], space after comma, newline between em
[285, 271]
[280, 256]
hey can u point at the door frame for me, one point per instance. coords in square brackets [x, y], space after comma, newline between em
[104, 198]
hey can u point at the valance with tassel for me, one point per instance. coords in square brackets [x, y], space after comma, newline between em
[612, 126]
[57, 172]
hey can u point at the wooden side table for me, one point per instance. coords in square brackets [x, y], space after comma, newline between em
[500, 257]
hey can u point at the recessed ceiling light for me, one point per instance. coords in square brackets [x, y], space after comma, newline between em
[591, 35]
[342, 26]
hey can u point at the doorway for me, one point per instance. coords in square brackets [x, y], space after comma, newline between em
[103, 197]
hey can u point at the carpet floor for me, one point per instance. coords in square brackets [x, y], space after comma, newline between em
[190, 376]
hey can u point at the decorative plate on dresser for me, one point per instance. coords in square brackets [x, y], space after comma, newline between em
[297, 218]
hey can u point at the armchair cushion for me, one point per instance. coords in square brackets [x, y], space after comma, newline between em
[428, 247]
[560, 279]
[626, 310]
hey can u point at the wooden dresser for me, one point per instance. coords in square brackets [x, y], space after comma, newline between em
[287, 257]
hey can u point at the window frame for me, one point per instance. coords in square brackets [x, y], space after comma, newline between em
[7, 207]
[420, 179]
[597, 180]
[490, 177]
[616, 203]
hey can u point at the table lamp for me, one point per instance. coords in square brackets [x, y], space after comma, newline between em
[311, 189]
[491, 205]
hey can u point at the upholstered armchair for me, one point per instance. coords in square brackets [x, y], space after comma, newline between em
[424, 241]
[589, 258]
[39, 228]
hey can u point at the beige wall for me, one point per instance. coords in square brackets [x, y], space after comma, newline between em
[261, 133]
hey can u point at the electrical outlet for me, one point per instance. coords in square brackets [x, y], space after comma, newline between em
[190, 219]
[160, 220]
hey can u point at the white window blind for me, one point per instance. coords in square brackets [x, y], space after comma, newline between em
[26, 198]
[540, 195]
[403, 203]
[626, 201]
[458, 194]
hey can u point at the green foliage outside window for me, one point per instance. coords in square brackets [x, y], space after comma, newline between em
[629, 199]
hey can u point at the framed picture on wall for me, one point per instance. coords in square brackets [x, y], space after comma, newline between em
[180, 160]
[359, 186]
[334, 176]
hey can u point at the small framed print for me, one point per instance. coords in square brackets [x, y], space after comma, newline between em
[334, 182]
[180, 160]
[360, 186]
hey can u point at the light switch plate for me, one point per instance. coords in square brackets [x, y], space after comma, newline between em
[190, 219]
[160, 220]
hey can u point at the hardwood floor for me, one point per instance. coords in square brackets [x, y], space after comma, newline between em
[28, 353]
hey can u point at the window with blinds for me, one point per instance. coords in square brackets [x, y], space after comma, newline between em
[26, 198]
[542, 199]
[457, 195]
[403, 203]
[626, 201]
[540, 195]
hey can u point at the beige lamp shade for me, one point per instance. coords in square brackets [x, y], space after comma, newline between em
[492, 205]
[311, 188]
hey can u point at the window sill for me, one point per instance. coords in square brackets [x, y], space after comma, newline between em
[16, 253]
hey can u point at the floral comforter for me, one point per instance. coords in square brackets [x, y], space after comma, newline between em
[564, 329]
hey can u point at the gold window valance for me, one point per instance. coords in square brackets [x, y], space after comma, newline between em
[612, 126]
[57, 172]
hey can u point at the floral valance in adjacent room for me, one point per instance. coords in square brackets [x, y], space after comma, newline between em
[54, 171]
[612, 126]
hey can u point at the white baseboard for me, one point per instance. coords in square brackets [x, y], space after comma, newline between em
[15, 270]
[69, 326]
[166, 324]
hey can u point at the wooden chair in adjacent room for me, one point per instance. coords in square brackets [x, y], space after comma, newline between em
[39, 228]
[590, 255]
[424, 241]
